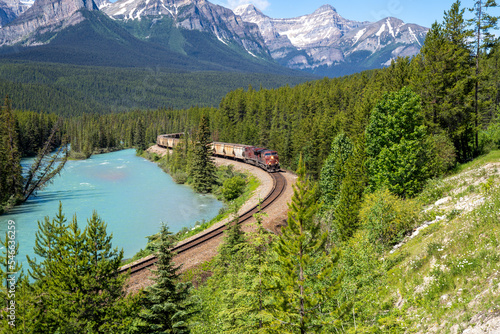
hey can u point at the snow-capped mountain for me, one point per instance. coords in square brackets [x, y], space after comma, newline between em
[324, 38]
[197, 15]
[42, 17]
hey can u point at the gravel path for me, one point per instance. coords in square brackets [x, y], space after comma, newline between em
[276, 217]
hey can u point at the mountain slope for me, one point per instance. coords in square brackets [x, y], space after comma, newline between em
[44, 16]
[198, 15]
[89, 37]
[326, 43]
[11, 9]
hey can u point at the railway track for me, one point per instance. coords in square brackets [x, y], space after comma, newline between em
[279, 185]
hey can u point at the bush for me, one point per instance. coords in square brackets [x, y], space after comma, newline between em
[441, 154]
[233, 187]
[180, 177]
[387, 218]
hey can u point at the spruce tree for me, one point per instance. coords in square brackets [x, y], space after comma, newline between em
[483, 40]
[303, 264]
[167, 305]
[203, 167]
[345, 217]
[76, 286]
[446, 81]
[333, 171]
[395, 147]
[11, 181]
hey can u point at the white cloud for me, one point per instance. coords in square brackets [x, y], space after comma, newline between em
[260, 4]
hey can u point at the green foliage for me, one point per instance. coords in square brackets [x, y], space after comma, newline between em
[11, 181]
[333, 171]
[395, 148]
[76, 286]
[233, 188]
[72, 90]
[441, 155]
[166, 305]
[202, 166]
[345, 213]
[445, 81]
[303, 263]
[387, 218]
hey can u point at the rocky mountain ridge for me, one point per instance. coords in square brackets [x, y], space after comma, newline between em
[42, 17]
[325, 39]
[323, 42]
[197, 15]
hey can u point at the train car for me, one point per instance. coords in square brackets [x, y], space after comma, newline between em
[263, 158]
[168, 141]
[257, 156]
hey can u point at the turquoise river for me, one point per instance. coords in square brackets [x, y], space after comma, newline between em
[132, 195]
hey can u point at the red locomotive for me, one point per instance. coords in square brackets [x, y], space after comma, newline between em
[262, 157]
[258, 156]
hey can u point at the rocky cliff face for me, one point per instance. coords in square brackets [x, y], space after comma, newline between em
[324, 38]
[11, 9]
[198, 15]
[44, 16]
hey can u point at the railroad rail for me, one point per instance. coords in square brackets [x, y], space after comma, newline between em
[279, 185]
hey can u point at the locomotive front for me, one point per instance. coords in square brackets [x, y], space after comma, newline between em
[272, 161]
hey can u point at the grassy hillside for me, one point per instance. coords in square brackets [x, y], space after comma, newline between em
[444, 278]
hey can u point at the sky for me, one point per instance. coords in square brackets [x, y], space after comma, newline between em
[421, 12]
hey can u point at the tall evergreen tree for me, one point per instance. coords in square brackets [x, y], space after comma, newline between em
[345, 217]
[333, 171]
[203, 167]
[167, 305]
[302, 265]
[11, 181]
[395, 139]
[483, 40]
[76, 287]
[446, 82]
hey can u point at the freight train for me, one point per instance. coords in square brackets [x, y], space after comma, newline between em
[257, 156]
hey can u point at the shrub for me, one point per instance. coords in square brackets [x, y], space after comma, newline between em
[387, 218]
[180, 177]
[441, 154]
[233, 187]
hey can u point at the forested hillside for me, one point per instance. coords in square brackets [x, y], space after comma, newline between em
[378, 155]
[71, 90]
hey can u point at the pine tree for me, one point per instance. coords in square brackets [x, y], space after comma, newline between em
[333, 171]
[350, 195]
[395, 140]
[167, 305]
[203, 167]
[445, 81]
[11, 181]
[303, 264]
[140, 136]
[76, 287]
[483, 39]
[233, 239]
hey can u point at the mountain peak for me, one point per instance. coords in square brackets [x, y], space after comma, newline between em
[247, 9]
[325, 9]
[44, 16]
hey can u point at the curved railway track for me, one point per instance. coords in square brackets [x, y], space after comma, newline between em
[279, 185]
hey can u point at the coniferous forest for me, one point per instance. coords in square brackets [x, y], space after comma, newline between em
[369, 149]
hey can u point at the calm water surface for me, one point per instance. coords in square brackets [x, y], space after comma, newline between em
[132, 195]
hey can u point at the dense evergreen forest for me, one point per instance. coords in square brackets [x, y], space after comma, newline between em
[364, 146]
[72, 90]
